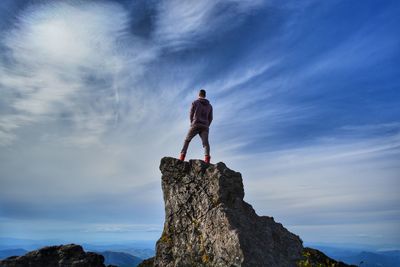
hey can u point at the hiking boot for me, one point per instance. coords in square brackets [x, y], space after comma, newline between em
[207, 159]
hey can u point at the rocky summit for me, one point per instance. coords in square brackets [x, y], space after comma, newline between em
[56, 256]
[207, 223]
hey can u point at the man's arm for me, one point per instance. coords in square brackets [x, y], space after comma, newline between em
[210, 116]
[191, 114]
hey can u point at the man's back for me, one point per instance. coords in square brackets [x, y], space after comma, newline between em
[201, 112]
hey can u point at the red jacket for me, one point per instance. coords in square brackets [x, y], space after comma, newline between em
[201, 112]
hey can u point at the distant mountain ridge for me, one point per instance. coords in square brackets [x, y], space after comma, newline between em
[353, 255]
[5, 253]
[364, 258]
[132, 249]
[120, 259]
[375, 259]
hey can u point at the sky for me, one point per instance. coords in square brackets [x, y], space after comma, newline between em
[306, 98]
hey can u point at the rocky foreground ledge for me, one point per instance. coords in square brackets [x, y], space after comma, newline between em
[207, 223]
[56, 256]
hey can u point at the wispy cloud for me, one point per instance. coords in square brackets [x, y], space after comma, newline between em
[182, 24]
[67, 60]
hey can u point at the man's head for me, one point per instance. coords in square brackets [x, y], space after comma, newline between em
[202, 93]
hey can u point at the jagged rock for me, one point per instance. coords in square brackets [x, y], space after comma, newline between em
[207, 223]
[56, 256]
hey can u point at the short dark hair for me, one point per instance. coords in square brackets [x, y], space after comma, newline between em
[202, 93]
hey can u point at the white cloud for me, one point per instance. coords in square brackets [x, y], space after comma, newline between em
[239, 77]
[69, 59]
[183, 23]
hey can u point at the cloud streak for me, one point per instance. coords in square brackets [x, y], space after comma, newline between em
[182, 24]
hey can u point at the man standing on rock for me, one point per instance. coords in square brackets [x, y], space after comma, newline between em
[201, 116]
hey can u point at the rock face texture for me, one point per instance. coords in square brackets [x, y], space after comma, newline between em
[56, 256]
[207, 223]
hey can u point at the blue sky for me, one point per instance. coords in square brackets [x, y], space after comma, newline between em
[306, 102]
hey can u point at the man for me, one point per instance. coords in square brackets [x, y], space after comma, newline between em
[201, 116]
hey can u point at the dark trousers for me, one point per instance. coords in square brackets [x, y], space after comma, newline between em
[193, 131]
